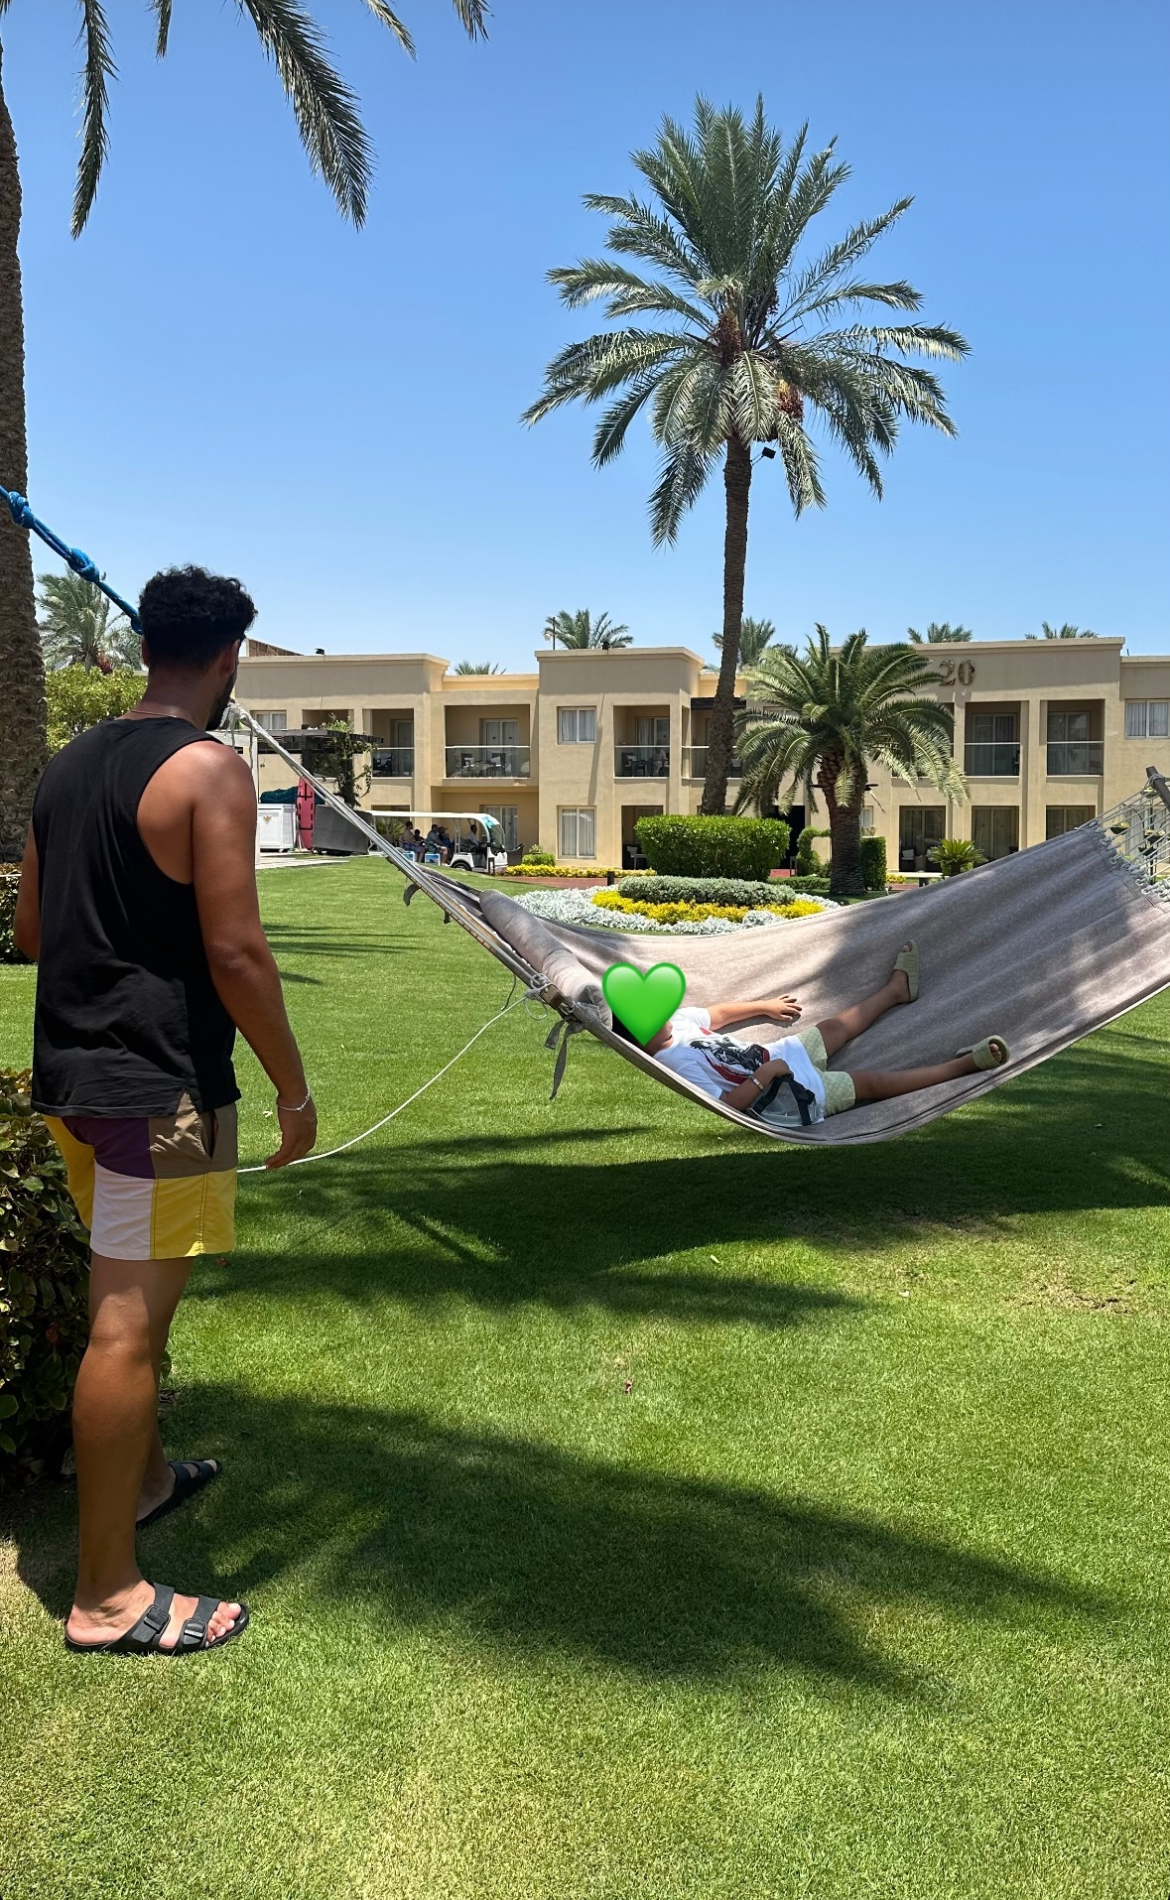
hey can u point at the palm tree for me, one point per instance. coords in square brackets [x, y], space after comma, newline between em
[473, 666]
[1065, 632]
[580, 630]
[755, 639]
[80, 626]
[939, 633]
[332, 133]
[820, 719]
[740, 341]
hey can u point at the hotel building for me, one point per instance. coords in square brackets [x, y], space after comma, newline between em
[571, 755]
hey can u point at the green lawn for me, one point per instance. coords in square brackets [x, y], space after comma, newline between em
[628, 1508]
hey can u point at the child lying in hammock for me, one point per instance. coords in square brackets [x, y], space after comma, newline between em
[793, 1074]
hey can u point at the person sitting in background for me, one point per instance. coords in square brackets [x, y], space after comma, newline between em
[740, 1074]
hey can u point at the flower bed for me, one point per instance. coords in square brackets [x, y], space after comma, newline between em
[536, 873]
[575, 907]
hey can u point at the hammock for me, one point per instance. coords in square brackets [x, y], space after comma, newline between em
[1043, 947]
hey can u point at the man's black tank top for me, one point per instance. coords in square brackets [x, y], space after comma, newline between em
[127, 1017]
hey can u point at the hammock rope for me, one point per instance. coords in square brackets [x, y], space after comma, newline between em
[76, 558]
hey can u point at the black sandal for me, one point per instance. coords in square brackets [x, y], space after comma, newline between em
[187, 1483]
[145, 1639]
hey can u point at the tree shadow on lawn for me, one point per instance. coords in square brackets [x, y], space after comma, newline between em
[500, 1220]
[324, 940]
[546, 1553]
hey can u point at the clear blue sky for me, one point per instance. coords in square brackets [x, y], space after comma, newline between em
[222, 371]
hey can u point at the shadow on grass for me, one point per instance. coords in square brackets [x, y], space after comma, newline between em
[503, 1219]
[324, 940]
[403, 1522]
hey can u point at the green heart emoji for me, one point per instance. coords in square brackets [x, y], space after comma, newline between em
[644, 999]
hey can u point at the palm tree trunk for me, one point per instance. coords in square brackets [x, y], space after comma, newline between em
[737, 481]
[846, 878]
[23, 752]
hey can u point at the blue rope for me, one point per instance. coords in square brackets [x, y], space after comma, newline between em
[24, 517]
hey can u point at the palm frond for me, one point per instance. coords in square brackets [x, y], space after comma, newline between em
[829, 267]
[389, 19]
[162, 12]
[323, 105]
[610, 435]
[684, 473]
[592, 369]
[96, 74]
[640, 232]
[627, 291]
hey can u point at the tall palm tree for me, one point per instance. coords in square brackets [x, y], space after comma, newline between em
[820, 719]
[755, 639]
[740, 343]
[1065, 632]
[476, 666]
[580, 630]
[332, 133]
[939, 633]
[80, 626]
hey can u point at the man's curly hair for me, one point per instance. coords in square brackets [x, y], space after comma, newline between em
[189, 616]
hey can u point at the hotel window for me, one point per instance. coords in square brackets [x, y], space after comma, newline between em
[273, 721]
[499, 732]
[577, 832]
[576, 725]
[508, 819]
[995, 830]
[1061, 818]
[1147, 718]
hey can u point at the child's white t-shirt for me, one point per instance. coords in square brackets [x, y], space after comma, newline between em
[711, 1066]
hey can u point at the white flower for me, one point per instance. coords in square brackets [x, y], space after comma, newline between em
[577, 907]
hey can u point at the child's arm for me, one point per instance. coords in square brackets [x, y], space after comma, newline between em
[747, 1093]
[777, 1009]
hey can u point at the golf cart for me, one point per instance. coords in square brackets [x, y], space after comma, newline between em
[478, 841]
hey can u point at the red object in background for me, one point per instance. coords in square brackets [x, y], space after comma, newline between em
[306, 810]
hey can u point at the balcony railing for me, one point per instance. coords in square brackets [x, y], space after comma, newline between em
[992, 758]
[695, 763]
[641, 761]
[489, 761]
[1076, 758]
[393, 761]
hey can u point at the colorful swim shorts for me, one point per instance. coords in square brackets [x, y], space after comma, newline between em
[157, 1189]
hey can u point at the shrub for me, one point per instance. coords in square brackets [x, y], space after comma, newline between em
[9, 886]
[534, 855]
[43, 1292]
[873, 863]
[812, 886]
[953, 855]
[700, 890]
[680, 846]
[807, 862]
[80, 696]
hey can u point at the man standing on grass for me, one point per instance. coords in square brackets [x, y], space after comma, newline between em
[138, 901]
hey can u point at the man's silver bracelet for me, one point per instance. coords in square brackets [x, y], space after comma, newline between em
[294, 1108]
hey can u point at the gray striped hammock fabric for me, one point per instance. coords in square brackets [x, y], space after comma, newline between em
[1042, 948]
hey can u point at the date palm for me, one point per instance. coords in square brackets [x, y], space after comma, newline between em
[331, 130]
[476, 666]
[755, 638]
[743, 342]
[80, 626]
[819, 720]
[1065, 632]
[580, 630]
[939, 633]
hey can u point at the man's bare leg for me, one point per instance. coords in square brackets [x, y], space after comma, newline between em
[851, 1022]
[115, 1414]
[881, 1085]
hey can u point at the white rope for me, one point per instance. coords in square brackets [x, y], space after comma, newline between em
[354, 1139]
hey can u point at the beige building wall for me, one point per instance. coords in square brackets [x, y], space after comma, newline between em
[450, 742]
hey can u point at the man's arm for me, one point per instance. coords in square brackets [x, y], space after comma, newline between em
[26, 922]
[223, 848]
[777, 1009]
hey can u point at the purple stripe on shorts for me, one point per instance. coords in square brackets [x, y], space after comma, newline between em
[122, 1145]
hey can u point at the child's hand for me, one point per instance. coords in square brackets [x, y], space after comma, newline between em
[783, 1009]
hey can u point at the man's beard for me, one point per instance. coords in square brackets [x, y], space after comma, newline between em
[215, 716]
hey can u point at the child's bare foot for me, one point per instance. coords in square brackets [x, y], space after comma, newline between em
[991, 1053]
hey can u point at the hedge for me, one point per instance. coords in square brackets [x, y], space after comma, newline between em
[719, 890]
[680, 846]
[807, 862]
[44, 1258]
[9, 886]
[873, 863]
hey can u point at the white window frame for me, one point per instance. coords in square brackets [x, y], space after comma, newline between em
[576, 725]
[273, 721]
[1147, 718]
[570, 828]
